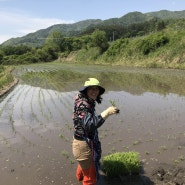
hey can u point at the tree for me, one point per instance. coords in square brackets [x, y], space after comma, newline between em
[51, 53]
[1, 56]
[99, 40]
[56, 40]
[16, 50]
[160, 25]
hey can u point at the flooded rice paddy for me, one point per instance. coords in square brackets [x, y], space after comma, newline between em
[36, 126]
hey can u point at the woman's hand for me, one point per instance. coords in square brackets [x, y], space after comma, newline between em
[109, 111]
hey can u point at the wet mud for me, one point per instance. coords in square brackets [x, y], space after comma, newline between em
[36, 135]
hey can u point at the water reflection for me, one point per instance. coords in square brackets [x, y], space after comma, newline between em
[132, 80]
[38, 111]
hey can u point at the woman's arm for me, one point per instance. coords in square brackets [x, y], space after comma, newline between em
[92, 121]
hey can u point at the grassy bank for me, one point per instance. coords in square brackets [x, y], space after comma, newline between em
[164, 49]
[5, 76]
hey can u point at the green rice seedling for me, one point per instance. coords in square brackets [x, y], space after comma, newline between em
[62, 136]
[136, 142]
[68, 126]
[72, 161]
[113, 149]
[40, 103]
[121, 121]
[121, 163]
[176, 161]
[109, 153]
[126, 147]
[163, 147]
[105, 134]
[147, 153]
[181, 158]
[113, 133]
[100, 137]
[150, 140]
[65, 153]
[12, 123]
[114, 104]
[49, 147]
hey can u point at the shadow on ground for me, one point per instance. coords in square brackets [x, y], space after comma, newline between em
[163, 175]
[136, 179]
[125, 180]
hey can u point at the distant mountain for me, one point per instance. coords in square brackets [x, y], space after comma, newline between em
[165, 14]
[38, 38]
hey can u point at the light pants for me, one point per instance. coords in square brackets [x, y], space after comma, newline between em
[86, 171]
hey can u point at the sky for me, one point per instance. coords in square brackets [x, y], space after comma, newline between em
[21, 17]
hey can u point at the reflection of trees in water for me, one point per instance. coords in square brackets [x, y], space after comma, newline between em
[138, 83]
[133, 80]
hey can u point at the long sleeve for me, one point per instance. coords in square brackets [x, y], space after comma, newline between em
[85, 118]
[92, 121]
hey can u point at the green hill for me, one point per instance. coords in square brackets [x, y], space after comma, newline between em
[159, 49]
[165, 14]
[37, 38]
[153, 39]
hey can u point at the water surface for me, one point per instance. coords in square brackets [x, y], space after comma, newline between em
[36, 125]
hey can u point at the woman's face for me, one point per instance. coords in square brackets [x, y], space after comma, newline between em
[93, 92]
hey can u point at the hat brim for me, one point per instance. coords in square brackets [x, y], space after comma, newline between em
[84, 89]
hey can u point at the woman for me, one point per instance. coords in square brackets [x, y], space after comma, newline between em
[86, 145]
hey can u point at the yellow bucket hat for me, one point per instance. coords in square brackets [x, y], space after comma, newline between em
[92, 82]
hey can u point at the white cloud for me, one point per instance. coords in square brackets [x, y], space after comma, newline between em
[34, 24]
[17, 24]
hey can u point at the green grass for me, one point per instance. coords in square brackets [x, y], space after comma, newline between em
[5, 76]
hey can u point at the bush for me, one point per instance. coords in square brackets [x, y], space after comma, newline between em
[121, 164]
[5, 80]
[153, 42]
[115, 48]
[86, 56]
[1, 68]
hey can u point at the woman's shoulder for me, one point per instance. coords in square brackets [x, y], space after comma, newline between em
[81, 100]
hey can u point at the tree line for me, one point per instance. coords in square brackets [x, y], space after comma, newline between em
[55, 43]
[99, 37]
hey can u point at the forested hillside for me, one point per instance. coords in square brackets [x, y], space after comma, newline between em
[135, 39]
[122, 27]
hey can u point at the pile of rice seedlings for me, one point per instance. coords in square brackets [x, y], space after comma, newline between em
[121, 163]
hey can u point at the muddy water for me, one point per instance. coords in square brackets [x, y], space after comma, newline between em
[36, 126]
